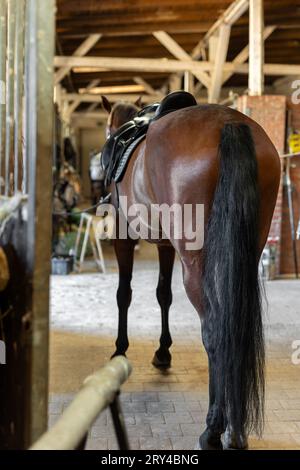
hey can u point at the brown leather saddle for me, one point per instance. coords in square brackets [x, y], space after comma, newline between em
[118, 148]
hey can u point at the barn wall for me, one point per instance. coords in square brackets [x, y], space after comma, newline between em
[270, 112]
[287, 260]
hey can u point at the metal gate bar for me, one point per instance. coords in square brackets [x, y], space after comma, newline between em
[18, 94]
[3, 36]
[9, 98]
[119, 424]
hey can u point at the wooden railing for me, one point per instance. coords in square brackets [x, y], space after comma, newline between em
[99, 391]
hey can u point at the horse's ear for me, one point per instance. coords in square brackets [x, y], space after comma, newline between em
[138, 102]
[106, 104]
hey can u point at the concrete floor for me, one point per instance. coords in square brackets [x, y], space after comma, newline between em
[163, 410]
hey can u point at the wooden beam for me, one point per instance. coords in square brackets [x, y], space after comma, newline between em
[172, 46]
[281, 69]
[39, 52]
[168, 65]
[113, 89]
[233, 13]
[80, 52]
[147, 87]
[84, 120]
[90, 98]
[92, 107]
[213, 46]
[73, 31]
[77, 102]
[230, 16]
[133, 64]
[188, 82]
[174, 82]
[88, 119]
[244, 54]
[220, 58]
[256, 48]
[270, 69]
[197, 89]
[90, 115]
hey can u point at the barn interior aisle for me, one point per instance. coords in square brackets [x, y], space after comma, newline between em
[150, 161]
[163, 410]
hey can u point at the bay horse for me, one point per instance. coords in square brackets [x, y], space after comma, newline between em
[219, 157]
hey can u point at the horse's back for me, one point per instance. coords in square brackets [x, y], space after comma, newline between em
[182, 163]
[193, 134]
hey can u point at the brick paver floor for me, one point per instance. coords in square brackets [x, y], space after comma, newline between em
[164, 410]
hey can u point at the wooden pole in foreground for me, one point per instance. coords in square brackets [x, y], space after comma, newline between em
[98, 391]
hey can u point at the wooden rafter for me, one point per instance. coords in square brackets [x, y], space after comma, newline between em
[168, 65]
[80, 52]
[172, 46]
[77, 102]
[230, 15]
[132, 64]
[92, 107]
[147, 87]
[244, 54]
[90, 98]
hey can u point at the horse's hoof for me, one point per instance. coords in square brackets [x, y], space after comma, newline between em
[231, 443]
[164, 363]
[117, 353]
[235, 448]
[209, 443]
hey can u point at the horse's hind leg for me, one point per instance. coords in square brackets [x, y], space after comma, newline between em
[124, 250]
[210, 439]
[162, 357]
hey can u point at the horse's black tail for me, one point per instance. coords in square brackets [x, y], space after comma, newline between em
[233, 314]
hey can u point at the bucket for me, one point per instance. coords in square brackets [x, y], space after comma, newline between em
[62, 265]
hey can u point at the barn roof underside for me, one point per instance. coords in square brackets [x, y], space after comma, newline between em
[126, 27]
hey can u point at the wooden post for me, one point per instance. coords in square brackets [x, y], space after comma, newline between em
[166, 40]
[212, 46]
[77, 102]
[220, 58]
[188, 82]
[242, 56]
[39, 111]
[175, 82]
[80, 52]
[98, 391]
[256, 48]
[3, 23]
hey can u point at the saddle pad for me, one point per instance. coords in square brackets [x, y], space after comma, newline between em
[122, 164]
